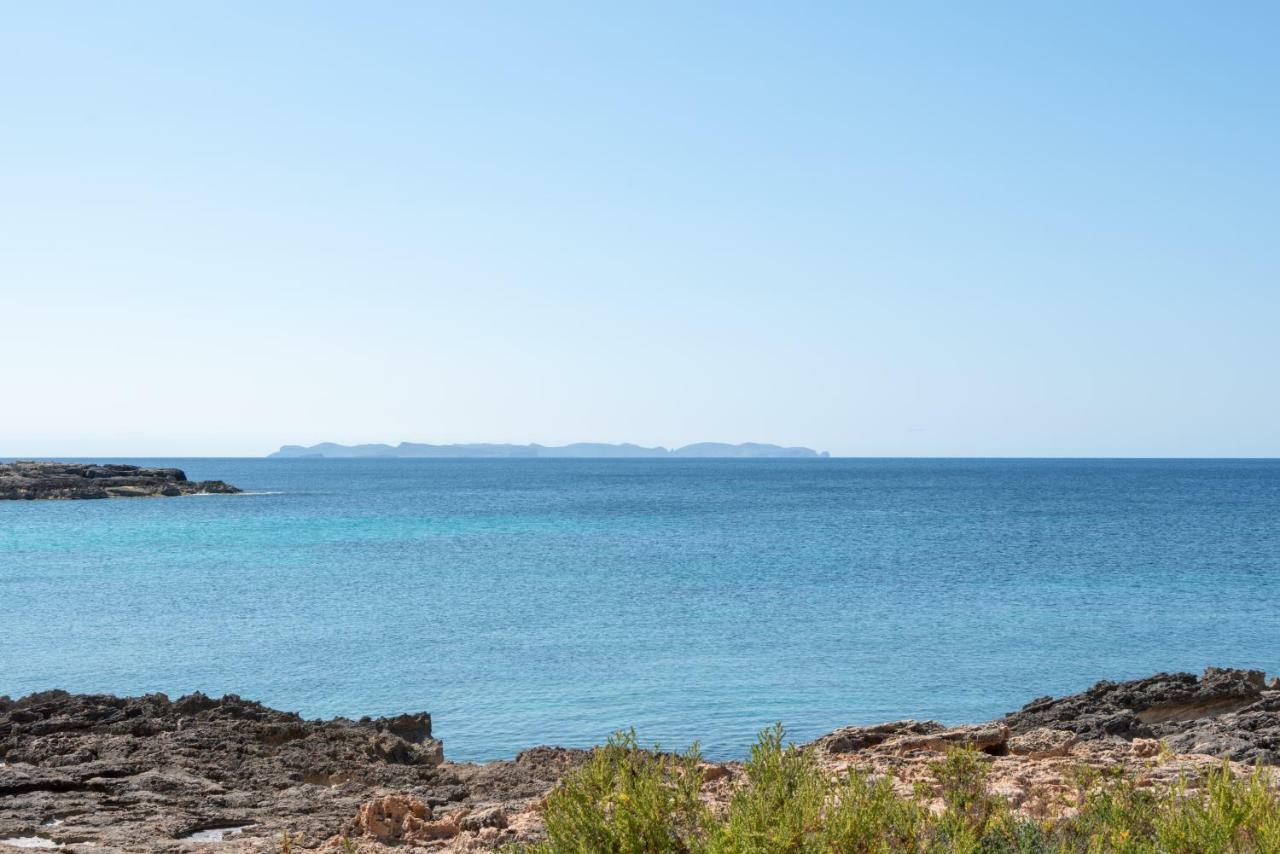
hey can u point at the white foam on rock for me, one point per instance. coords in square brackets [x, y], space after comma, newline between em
[29, 842]
[214, 834]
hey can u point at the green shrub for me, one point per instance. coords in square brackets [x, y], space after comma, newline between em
[789, 804]
[625, 800]
[629, 800]
[781, 806]
[1230, 815]
[865, 815]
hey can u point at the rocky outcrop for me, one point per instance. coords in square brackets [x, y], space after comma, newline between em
[1043, 743]
[150, 774]
[1227, 713]
[399, 819]
[28, 479]
[854, 739]
[902, 737]
[1040, 779]
[1230, 714]
[1164, 730]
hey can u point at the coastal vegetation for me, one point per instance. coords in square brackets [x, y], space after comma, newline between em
[629, 800]
[1172, 763]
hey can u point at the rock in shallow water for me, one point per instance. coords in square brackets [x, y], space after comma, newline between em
[30, 480]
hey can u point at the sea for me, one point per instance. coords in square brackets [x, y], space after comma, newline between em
[555, 601]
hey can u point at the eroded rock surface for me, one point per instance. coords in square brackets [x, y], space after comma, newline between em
[1042, 784]
[148, 774]
[29, 480]
[1227, 713]
[1159, 730]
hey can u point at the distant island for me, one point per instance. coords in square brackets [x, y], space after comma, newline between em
[578, 450]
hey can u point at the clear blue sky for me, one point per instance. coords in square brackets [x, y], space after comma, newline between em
[904, 229]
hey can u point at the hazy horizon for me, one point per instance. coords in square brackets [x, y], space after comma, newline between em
[90, 456]
[937, 231]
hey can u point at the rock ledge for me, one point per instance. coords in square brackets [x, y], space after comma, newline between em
[96, 773]
[30, 480]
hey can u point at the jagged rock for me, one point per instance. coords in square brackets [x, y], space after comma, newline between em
[1043, 743]
[28, 479]
[400, 820]
[854, 738]
[988, 738]
[1130, 708]
[135, 774]
[1144, 747]
[141, 774]
[1224, 712]
[905, 736]
[488, 817]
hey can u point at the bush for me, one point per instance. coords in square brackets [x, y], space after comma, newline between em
[625, 799]
[1226, 815]
[781, 806]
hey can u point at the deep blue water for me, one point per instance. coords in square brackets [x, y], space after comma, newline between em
[553, 601]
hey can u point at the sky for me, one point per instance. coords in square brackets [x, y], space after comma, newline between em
[936, 229]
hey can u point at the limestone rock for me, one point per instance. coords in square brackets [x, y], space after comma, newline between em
[855, 738]
[476, 820]
[1144, 747]
[905, 736]
[1043, 743]
[401, 819]
[988, 738]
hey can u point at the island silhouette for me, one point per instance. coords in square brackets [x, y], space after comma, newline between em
[593, 450]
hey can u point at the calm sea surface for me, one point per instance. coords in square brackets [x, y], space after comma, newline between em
[553, 601]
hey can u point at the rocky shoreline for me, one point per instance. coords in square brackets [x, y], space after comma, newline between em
[32, 480]
[149, 774]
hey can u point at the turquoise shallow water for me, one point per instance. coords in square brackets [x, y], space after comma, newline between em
[553, 601]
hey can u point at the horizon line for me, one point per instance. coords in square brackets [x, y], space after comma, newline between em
[831, 456]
